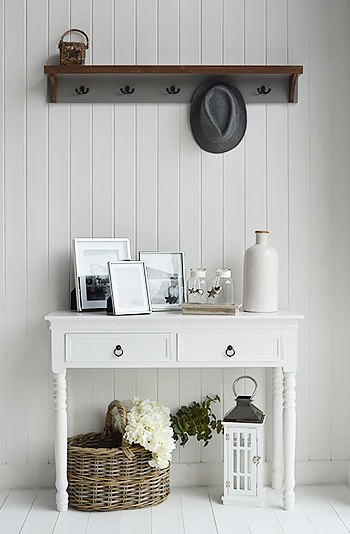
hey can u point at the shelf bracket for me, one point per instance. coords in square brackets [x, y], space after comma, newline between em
[52, 78]
[292, 85]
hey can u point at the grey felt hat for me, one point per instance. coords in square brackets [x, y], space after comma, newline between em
[218, 117]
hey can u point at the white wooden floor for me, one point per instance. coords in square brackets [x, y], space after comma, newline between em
[319, 509]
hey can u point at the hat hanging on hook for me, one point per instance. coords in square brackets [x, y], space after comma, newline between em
[218, 117]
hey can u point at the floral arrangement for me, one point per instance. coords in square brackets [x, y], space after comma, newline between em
[148, 424]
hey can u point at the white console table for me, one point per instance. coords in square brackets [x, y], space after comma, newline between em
[172, 340]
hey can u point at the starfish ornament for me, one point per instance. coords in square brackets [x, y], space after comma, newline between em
[212, 293]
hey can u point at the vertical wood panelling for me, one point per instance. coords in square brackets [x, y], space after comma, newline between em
[233, 163]
[2, 247]
[168, 134]
[299, 210]
[212, 164]
[81, 207]
[15, 231]
[190, 390]
[276, 146]
[102, 178]
[190, 178]
[168, 394]
[255, 161]
[340, 252]
[212, 384]
[37, 234]
[320, 238]
[135, 171]
[147, 132]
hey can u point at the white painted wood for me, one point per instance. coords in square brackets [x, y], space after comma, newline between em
[276, 148]
[339, 499]
[190, 32]
[147, 32]
[299, 210]
[298, 521]
[72, 521]
[15, 232]
[190, 390]
[262, 521]
[214, 347]
[169, 395]
[277, 407]
[15, 509]
[125, 32]
[147, 169]
[319, 511]
[320, 189]
[146, 383]
[37, 235]
[225, 517]
[168, 515]
[134, 347]
[169, 180]
[212, 384]
[340, 47]
[289, 423]
[197, 512]
[136, 521]
[168, 32]
[60, 395]
[42, 516]
[103, 522]
[212, 164]
[2, 248]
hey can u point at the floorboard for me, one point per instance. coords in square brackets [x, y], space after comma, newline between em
[319, 510]
[15, 510]
[190, 510]
[42, 516]
[226, 516]
[197, 511]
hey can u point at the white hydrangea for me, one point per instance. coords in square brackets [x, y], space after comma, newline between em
[148, 424]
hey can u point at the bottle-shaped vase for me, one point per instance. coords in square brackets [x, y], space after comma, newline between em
[260, 283]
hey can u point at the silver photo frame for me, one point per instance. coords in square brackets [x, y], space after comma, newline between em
[166, 279]
[91, 257]
[129, 288]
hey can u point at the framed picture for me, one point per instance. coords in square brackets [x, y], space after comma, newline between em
[129, 287]
[91, 257]
[166, 279]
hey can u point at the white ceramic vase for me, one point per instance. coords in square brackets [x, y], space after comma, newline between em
[260, 284]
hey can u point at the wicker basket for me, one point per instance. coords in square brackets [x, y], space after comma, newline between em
[73, 53]
[103, 476]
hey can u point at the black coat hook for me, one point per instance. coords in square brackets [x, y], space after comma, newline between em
[172, 91]
[82, 90]
[262, 90]
[127, 90]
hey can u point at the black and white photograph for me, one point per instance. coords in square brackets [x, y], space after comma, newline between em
[166, 280]
[129, 288]
[91, 269]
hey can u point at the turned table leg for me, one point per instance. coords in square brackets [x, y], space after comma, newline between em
[277, 414]
[60, 396]
[289, 426]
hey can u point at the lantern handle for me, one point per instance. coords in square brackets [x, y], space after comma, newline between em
[241, 378]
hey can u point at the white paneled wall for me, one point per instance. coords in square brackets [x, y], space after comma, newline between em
[135, 171]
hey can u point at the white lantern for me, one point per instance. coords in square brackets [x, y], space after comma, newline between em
[243, 451]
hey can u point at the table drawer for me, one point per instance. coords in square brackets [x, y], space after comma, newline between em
[112, 348]
[227, 347]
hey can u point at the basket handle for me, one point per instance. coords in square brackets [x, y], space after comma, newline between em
[74, 30]
[108, 429]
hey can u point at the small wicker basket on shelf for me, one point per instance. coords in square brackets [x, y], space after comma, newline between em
[106, 473]
[73, 53]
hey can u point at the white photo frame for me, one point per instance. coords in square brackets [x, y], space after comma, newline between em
[91, 257]
[129, 288]
[166, 279]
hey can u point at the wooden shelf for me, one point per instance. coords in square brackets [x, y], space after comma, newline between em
[168, 83]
